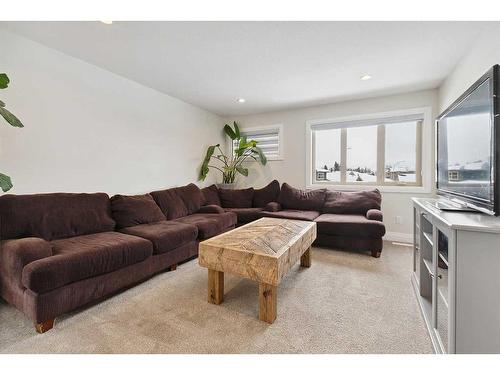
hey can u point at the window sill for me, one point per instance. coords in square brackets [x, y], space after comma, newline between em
[382, 188]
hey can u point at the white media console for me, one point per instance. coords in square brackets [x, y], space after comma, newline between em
[456, 277]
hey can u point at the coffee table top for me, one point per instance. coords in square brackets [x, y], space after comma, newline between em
[263, 250]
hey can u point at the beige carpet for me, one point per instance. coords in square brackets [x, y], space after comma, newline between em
[345, 303]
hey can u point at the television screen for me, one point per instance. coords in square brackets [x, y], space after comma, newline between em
[465, 146]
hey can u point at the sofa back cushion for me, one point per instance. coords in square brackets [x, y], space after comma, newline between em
[211, 195]
[131, 210]
[352, 202]
[238, 198]
[296, 199]
[53, 216]
[178, 202]
[267, 194]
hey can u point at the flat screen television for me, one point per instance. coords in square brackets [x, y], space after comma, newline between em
[468, 142]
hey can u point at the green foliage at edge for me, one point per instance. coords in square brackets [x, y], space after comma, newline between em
[5, 181]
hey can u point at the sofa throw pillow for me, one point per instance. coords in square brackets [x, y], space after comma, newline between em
[211, 195]
[55, 215]
[130, 210]
[192, 197]
[170, 203]
[239, 198]
[296, 199]
[179, 201]
[267, 194]
[352, 202]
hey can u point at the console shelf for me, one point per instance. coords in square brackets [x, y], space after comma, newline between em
[428, 237]
[461, 308]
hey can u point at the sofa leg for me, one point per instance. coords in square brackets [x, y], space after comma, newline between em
[376, 253]
[173, 267]
[44, 326]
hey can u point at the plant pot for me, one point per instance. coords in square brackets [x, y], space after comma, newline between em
[231, 186]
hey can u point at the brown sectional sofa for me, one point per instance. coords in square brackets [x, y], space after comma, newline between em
[345, 220]
[62, 251]
[247, 204]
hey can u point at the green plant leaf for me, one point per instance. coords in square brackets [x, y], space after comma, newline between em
[2, 104]
[5, 182]
[204, 166]
[236, 129]
[262, 157]
[10, 118]
[4, 81]
[243, 171]
[243, 142]
[230, 132]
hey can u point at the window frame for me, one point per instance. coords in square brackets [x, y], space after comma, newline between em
[278, 127]
[423, 147]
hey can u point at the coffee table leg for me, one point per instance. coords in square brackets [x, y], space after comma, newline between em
[267, 302]
[305, 259]
[215, 287]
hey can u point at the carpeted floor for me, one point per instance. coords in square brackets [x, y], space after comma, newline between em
[345, 303]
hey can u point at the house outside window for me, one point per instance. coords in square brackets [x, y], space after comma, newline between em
[453, 176]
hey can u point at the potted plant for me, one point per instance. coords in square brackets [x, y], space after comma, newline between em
[5, 181]
[230, 165]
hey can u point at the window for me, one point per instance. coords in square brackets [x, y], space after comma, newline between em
[401, 152]
[269, 139]
[327, 144]
[361, 155]
[377, 151]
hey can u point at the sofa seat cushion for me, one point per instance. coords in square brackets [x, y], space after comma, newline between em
[165, 235]
[349, 225]
[210, 225]
[293, 214]
[246, 215]
[82, 257]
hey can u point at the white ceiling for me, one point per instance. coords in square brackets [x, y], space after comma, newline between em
[273, 65]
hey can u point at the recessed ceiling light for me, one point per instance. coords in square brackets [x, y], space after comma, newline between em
[241, 100]
[107, 22]
[366, 77]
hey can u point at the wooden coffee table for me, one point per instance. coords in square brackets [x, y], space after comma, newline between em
[263, 251]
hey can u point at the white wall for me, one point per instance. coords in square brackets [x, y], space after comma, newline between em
[482, 55]
[292, 168]
[87, 129]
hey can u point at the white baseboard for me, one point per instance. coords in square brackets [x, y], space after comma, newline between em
[398, 237]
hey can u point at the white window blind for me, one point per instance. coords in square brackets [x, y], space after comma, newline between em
[367, 122]
[268, 138]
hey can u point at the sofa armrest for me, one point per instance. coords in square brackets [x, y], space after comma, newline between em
[211, 209]
[16, 254]
[272, 207]
[374, 214]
